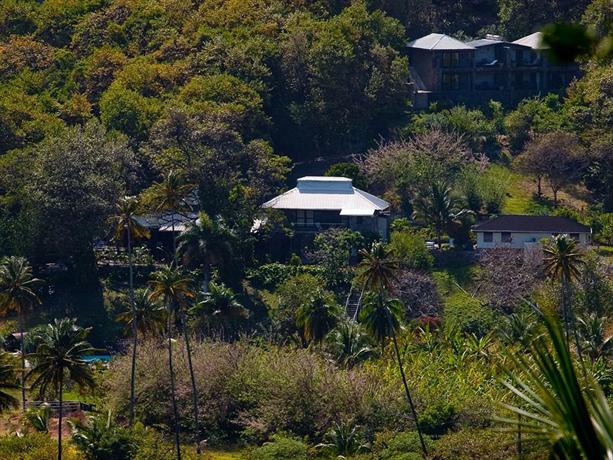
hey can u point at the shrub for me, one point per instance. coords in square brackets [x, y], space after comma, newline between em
[468, 315]
[438, 417]
[35, 446]
[280, 448]
[409, 247]
[250, 392]
[475, 444]
[100, 439]
[399, 446]
[417, 291]
[270, 276]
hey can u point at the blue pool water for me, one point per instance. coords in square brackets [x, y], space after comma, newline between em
[96, 358]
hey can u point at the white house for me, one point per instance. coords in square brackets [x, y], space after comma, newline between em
[319, 202]
[519, 232]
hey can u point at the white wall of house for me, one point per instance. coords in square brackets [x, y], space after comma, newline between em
[519, 240]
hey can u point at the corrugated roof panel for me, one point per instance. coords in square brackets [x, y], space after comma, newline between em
[534, 41]
[439, 42]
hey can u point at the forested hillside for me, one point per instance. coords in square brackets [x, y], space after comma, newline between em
[228, 89]
[138, 142]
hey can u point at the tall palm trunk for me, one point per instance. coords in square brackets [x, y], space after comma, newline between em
[570, 317]
[193, 382]
[134, 329]
[206, 271]
[174, 238]
[439, 232]
[172, 388]
[408, 394]
[23, 360]
[61, 414]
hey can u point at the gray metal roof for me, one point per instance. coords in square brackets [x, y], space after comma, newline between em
[319, 193]
[534, 41]
[438, 42]
[485, 42]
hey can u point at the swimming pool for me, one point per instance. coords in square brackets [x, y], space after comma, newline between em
[96, 358]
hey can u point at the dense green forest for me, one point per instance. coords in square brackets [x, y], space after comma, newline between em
[112, 109]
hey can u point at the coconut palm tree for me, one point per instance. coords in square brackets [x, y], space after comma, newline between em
[170, 196]
[381, 317]
[206, 243]
[171, 286]
[376, 272]
[350, 344]
[147, 317]
[218, 308]
[8, 382]
[562, 259]
[437, 208]
[126, 226]
[58, 358]
[576, 421]
[18, 294]
[317, 318]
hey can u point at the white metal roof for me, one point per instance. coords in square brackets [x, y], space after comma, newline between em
[319, 193]
[534, 41]
[438, 42]
[163, 221]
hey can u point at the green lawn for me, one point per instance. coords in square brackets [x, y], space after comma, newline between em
[519, 197]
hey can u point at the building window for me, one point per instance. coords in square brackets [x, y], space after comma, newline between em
[451, 81]
[488, 237]
[304, 217]
[451, 59]
[575, 236]
[506, 237]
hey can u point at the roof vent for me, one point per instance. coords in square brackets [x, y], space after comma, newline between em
[495, 37]
[325, 184]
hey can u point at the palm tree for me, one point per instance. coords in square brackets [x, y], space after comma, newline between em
[146, 317]
[125, 225]
[376, 271]
[170, 196]
[17, 294]
[593, 335]
[8, 381]
[577, 422]
[381, 317]
[207, 242]
[438, 208]
[59, 356]
[173, 288]
[219, 307]
[350, 344]
[317, 318]
[561, 262]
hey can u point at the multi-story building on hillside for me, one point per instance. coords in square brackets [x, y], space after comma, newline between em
[450, 71]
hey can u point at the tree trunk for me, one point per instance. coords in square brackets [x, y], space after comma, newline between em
[555, 197]
[61, 413]
[518, 445]
[23, 361]
[134, 329]
[438, 238]
[567, 295]
[172, 388]
[539, 190]
[206, 271]
[174, 239]
[408, 394]
[193, 382]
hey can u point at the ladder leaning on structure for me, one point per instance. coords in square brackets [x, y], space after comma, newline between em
[353, 303]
